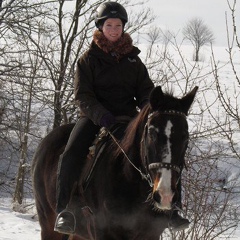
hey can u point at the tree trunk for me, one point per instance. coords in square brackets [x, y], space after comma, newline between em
[197, 55]
[19, 190]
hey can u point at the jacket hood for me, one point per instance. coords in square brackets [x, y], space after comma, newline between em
[119, 48]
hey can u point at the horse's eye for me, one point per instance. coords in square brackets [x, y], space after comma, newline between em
[152, 133]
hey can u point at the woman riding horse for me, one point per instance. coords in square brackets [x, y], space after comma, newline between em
[110, 81]
[132, 189]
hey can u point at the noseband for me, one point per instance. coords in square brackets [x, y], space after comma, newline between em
[168, 166]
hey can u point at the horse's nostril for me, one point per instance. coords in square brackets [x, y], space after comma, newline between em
[156, 197]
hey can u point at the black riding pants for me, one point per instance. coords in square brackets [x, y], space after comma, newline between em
[73, 159]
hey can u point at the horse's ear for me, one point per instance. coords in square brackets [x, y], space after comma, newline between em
[187, 100]
[156, 97]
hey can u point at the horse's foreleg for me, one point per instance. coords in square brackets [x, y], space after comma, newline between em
[47, 220]
[74, 237]
[66, 237]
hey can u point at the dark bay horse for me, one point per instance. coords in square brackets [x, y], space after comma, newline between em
[133, 186]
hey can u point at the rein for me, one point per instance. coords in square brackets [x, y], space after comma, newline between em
[144, 176]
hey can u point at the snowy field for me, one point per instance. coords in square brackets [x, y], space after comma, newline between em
[24, 226]
[14, 225]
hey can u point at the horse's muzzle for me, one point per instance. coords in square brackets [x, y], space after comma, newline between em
[163, 201]
[162, 195]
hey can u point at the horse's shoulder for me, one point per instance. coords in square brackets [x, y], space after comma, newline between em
[57, 138]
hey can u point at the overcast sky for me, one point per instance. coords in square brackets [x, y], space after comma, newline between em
[174, 14]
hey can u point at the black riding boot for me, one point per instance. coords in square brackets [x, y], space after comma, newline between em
[66, 220]
[177, 222]
[70, 166]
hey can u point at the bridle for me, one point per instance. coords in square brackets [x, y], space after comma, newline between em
[156, 165]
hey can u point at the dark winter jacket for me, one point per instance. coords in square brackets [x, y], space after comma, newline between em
[110, 77]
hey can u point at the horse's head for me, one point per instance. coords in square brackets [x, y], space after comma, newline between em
[164, 144]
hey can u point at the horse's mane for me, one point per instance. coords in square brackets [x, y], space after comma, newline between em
[134, 129]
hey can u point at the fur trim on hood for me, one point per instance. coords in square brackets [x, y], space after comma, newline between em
[119, 48]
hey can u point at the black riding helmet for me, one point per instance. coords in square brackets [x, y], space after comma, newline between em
[110, 10]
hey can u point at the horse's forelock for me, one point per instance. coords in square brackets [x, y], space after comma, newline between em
[161, 101]
[170, 103]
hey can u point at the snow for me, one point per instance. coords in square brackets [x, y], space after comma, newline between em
[15, 225]
[24, 226]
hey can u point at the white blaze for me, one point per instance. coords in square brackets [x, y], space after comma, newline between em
[164, 186]
[167, 153]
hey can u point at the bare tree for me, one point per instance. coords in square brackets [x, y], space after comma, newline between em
[40, 44]
[198, 34]
[228, 95]
[153, 36]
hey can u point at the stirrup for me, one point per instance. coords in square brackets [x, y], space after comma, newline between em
[59, 223]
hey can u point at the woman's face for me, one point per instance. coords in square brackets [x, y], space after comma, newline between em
[112, 29]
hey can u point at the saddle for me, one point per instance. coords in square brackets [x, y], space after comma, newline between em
[95, 151]
[101, 141]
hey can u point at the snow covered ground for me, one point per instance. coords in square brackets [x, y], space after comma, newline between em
[24, 226]
[14, 225]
